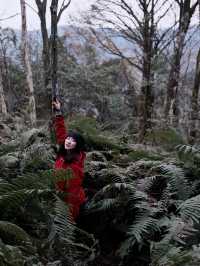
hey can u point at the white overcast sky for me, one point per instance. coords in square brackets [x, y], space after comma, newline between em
[11, 7]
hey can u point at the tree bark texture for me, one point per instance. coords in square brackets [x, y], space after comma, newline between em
[142, 32]
[146, 95]
[3, 108]
[186, 12]
[28, 70]
[195, 108]
[45, 39]
[54, 48]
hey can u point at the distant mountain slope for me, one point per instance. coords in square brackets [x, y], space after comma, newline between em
[75, 41]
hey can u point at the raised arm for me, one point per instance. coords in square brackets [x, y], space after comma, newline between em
[59, 123]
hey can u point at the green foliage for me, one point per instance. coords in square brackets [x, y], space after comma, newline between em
[63, 224]
[10, 255]
[89, 128]
[175, 256]
[14, 234]
[168, 138]
[178, 183]
[102, 143]
[188, 154]
[86, 125]
[190, 209]
[110, 196]
[143, 227]
[17, 192]
[8, 147]
[145, 155]
[37, 157]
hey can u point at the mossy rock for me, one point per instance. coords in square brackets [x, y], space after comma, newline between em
[9, 165]
[167, 138]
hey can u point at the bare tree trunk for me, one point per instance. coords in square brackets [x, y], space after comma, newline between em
[146, 102]
[186, 12]
[140, 30]
[54, 48]
[46, 47]
[46, 52]
[29, 79]
[171, 108]
[195, 94]
[146, 96]
[3, 108]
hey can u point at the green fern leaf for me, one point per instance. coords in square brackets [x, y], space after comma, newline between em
[14, 231]
[190, 209]
[143, 226]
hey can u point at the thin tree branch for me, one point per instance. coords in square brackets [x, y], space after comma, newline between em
[114, 51]
[63, 7]
[34, 10]
[17, 14]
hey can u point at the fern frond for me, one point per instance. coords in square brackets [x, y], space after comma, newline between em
[19, 190]
[143, 227]
[177, 230]
[190, 209]
[149, 182]
[16, 198]
[126, 246]
[162, 254]
[138, 199]
[165, 198]
[103, 205]
[177, 180]
[64, 227]
[118, 186]
[109, 196]
[63, 222]
[18, 235]
[39, 180]
[187, 149]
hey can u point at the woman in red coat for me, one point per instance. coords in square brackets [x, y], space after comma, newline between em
[70, 155]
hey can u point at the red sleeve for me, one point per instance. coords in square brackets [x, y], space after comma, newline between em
[60, 130]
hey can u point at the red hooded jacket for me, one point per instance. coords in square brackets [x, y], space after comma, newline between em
[75, 193]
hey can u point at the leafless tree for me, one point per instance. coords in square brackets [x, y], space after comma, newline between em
[195, 107]
[7, 40]
[28, 70]
[195, 95]
[42, 7]
[137, 22]
[186, 11]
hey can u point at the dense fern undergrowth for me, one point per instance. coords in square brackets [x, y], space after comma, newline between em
[143, 203]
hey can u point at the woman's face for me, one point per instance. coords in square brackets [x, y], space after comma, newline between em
[70, 143]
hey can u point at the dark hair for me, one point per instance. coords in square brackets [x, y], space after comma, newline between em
[80, 142]
[72, 155]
